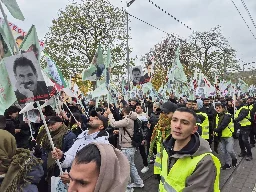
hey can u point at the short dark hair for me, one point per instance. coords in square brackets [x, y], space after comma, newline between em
[136, 69]
[90, 153]
[187, 110]
[11, 110]
[127, 109]
[20, 37]
[22, 62]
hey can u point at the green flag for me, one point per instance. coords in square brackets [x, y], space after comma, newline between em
[31, 42]
[177, 71]
[8, 44]
[7, 95]
[14, 9]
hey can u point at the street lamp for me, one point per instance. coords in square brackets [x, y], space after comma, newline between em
[127, 41]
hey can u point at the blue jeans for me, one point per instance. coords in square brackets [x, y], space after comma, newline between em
[129, 153]
[227, 147]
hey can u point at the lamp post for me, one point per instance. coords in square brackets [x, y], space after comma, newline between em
[127, 42]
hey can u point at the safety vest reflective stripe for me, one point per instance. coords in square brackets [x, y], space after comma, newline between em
[205, 126]
[245, 121]
[158, 160]
[166, 187]
[174, 180]
[229, 130]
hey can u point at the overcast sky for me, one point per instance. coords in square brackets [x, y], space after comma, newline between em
[200, 15]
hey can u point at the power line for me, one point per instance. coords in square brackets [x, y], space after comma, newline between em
[175, 18]
[248, 13]
[171, 34]
[243, 19]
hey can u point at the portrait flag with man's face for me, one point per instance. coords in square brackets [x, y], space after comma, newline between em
[26, 78]
[136, 74]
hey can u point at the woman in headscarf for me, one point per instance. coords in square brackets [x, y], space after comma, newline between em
[19, 169]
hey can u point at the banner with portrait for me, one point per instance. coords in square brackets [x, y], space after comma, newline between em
[136, 75]
[26, 78]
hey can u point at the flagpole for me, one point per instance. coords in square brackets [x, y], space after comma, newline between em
[9, 28]
[48, 134]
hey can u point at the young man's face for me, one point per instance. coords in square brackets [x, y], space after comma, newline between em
[14, 115]
[194, 106]
[206, 102]
[95, 123]
[55, 126]
[189, 105]
[136, 76]
[138, 109]
[133, 103]
[83, 177]
[183, 125]
[219, 109]
[26, 77]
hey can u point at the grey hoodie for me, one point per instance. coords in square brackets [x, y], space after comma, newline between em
[128, 123]
[204, 175]
[114, 170]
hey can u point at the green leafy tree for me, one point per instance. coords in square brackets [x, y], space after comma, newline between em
[74, 36]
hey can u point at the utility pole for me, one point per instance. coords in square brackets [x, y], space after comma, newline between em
[127, 42]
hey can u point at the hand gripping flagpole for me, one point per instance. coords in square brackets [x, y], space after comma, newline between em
[48, 134]
[9, 28]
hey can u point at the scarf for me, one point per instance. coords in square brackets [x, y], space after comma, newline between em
[57, 138]
[16, 163]
[164, 127]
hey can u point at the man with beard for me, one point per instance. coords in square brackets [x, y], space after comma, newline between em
[28, 86]
[96, 133]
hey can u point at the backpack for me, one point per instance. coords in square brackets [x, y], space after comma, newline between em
[137, 135]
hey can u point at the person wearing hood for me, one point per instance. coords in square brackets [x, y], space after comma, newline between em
[99, 168]
[19, 169]
[160, 132]
[242, 120]
[203, 119]
[126, 131]
[224, 127]
[188, 163]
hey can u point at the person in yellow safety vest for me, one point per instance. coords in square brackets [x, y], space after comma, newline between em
[224, 127]
[188, 163]
[252, 107]
[196, 106]
[242, 120]
[160, 132]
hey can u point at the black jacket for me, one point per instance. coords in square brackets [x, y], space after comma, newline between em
[153, 119]
[210, 111]
[243, 113]
[224, 123]
[149, 105]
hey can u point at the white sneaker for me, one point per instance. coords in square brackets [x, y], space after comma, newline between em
[144, 170]
[129, 190]
[134, 185]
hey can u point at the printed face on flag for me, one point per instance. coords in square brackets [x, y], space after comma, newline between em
[136, 74]
[26, 78]
[200, 91]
